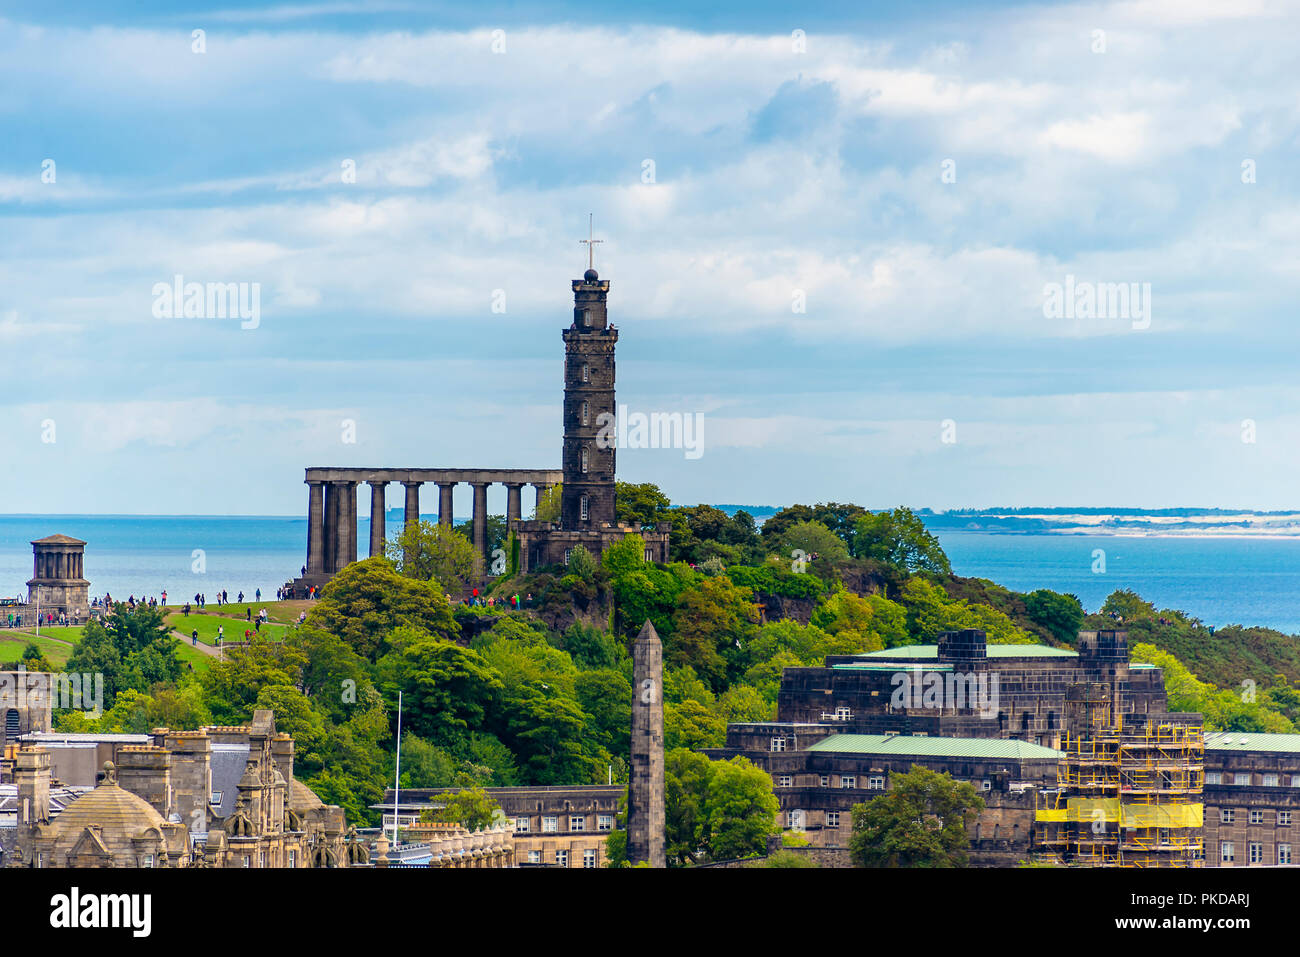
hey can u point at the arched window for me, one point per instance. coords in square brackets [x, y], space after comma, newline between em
[586, 373]
[584, 459]
[584, 413]
[586, 511]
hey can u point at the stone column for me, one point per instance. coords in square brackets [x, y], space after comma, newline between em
[444, 502]
[341, 514]
[351, 501]
[480, 526]
[315, 528]
[330, 538]
[514, 501]
[377, 517]
[645, 802]
[411, 516]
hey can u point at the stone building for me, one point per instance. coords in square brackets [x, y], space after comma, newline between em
[552, 826]
[217, 797]
[587, 505]
[587, 508]
[58, 583]
[26, 705]
[1252, 799]
[994, 715]
[446, 845]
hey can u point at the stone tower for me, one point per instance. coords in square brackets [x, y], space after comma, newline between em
[58, 583]
[645, 797]
[588, 499]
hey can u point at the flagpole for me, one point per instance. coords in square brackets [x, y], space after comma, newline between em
[397, 772]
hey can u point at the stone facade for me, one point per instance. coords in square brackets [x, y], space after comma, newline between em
[26, 704]
[1252, 800]
[217, 797]
[552, 826]
[645, 803]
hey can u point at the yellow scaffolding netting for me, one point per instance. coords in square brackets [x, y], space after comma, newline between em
[1087, 810]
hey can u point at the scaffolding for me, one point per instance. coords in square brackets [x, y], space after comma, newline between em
[1128, 793]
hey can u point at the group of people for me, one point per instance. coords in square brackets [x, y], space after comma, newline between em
[44, 618]
[477, 600]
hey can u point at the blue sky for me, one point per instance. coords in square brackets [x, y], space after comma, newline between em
[1103, 141]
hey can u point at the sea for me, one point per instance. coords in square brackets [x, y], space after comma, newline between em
[1220, 580]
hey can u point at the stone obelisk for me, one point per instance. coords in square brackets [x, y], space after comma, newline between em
[645, 798]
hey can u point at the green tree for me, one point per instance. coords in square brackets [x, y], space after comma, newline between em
[711, 626]
[740, 810]
[640, 504]
[364, 602]
[448, 691]
[686, 786]
[920, 821]
[808, 540]
[1060, 614]
[472, 808]
[548, 504]
[899, 539]
[433, 552]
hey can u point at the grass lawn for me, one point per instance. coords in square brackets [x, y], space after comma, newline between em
[285, 612]
[12, 645]
[198, 659]
[207, 625]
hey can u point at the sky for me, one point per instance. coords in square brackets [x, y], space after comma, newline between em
[834, 235]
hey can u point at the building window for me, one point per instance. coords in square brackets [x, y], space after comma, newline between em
[248, 860]
[1270, 780]
[848, 781]
[261, 859]
[549, 825]
[785, 781]
[293, 858]
[648, 556]
[562, 858]
[586, 373]
[567, 553]
[824, 781]
[1227, 815]
[1256, 852]
[778, 744]
[843, 714]
[605, 822]
[148, 860]
[1283, 818]
[584, 459]
[584, 413]
[832, 818]
[1226, 852]
[521, 825]
[589, 858]
[986, 785]
[1284, 853]
[1256, 816]
[1242, 779]
[875, 784]
[797, 820]
[534, 857]
[577, 823]
[586, 508]
[215, 798]
[1213, 777]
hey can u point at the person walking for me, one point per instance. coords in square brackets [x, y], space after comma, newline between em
[221, 633]
[194, 637]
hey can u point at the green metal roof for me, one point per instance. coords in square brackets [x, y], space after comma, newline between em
[993, 651]
[932, 747]
[1250, 741]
